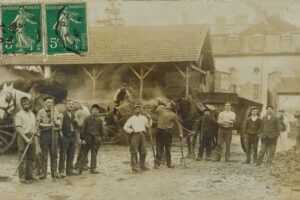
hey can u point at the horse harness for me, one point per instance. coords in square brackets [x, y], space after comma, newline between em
[11, 104]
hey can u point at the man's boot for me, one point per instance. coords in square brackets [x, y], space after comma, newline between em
[156, 164]
[142, 162]
[134, 162]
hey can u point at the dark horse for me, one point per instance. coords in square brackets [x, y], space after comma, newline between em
[188, 113]
[190, 110]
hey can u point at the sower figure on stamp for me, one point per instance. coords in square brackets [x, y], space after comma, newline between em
[136, 126]
[205, 127]
[251, 131]
[226, 120]
[49, 124]
[25, 125]
[269, 132]
[69, 131]
[91, 135]
[166, 122]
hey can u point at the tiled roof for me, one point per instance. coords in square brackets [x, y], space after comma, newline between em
[272, 24]
[129, 44]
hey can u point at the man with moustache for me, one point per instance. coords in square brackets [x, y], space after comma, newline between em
[49, 123]
[137, 126]
[25, 125]
[67, 151]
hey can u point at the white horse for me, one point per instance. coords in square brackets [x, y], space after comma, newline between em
[10, 100]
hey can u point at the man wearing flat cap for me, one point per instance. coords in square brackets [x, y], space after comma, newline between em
[49, 124]
[269, 132]
[251, 131]
[136, 126]
[91, 135]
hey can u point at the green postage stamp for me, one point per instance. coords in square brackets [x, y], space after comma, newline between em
[22, 29]
[66, 28]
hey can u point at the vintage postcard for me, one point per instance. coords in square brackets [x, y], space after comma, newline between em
[149, 99]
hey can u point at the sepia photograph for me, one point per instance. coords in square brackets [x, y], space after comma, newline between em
[149, 99]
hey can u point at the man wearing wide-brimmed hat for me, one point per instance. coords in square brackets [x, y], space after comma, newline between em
[137, 126]
[91, 135]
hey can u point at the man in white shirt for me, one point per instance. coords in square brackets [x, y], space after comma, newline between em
[136, 126]
[226, 120]
[25, 125]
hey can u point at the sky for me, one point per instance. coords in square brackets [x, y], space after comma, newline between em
[178, 12]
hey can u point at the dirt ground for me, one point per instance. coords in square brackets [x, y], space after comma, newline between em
[201, 180]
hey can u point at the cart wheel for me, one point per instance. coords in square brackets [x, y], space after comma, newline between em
[7, 138]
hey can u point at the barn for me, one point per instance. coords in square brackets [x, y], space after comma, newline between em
[143, 55]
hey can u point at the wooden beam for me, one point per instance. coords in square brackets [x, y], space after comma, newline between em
[187, 83]
[141, 82]
[149, 70]
[87, 72]
[40, 70]
[93, 76]
[200, 60]
[133, 70]
[180, 71]
[197, 69]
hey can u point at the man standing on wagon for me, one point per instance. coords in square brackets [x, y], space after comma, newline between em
[136, 126]
[25, 125]
[49, 123]
[226, 120]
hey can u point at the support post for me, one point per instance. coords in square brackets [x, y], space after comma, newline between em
[141, 76]
[93, 76]
[187, 81]
[47, 71]
[186, 76]
[141, 82]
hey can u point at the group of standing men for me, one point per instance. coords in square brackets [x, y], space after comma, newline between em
[48, 130]
[51, 128]
[267, 129]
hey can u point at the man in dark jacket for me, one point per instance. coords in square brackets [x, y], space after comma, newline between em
[269, 132]
[206, 127]
[91, 135]
[251, 131]
[69, 131]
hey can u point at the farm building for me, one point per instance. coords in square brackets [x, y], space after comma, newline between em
[147, 57]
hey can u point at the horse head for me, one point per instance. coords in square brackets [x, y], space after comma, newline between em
[7, 101]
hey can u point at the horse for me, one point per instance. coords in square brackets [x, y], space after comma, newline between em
[10, 100]
[188, 114]
[189, 111]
